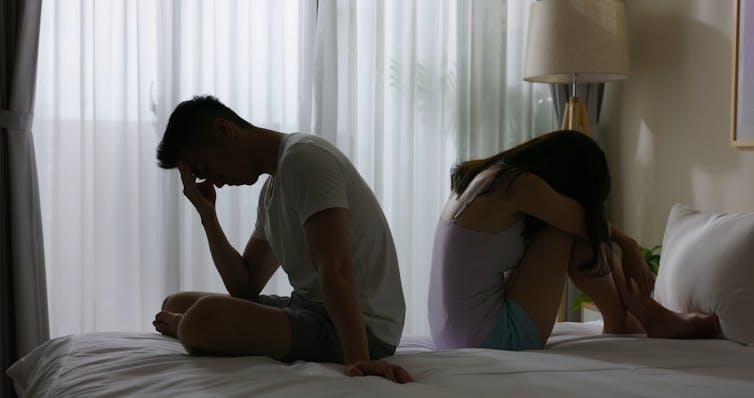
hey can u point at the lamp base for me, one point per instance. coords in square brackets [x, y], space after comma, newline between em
[575, 117]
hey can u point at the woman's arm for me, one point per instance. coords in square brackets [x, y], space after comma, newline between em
[532, 195]
[634, 265]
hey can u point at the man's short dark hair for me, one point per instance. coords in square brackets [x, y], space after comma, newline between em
[190, 124]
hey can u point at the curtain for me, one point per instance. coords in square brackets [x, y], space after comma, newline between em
[120, 236]
[23, 320]
[404, 88]
[407, 89]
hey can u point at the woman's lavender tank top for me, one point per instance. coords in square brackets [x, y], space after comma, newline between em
[466, 284]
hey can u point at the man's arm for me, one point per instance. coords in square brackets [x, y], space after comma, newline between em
[260, 263]
[328, 238]
[243, 276]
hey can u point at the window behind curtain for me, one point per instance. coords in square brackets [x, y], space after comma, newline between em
[404, 88]
[119, 235]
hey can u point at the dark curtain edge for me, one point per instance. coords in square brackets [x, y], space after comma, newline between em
[9, 15]
[8, 351]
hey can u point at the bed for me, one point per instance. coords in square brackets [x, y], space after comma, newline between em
[706, 266]
[578, 361]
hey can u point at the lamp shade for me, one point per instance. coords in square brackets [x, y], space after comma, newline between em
[585, 39]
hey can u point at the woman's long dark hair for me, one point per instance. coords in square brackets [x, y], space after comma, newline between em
[571, 163]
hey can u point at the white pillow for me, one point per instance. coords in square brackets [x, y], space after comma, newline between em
[707, 265]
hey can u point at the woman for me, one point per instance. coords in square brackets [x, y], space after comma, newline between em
[515, 224]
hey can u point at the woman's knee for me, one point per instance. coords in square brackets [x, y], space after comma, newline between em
[549, 245]
[581, 253]
[552, 235]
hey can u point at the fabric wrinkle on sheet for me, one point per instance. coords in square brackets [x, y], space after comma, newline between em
[579, 361]
[467, 303]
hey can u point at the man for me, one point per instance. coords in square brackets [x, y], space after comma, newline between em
[316, 218]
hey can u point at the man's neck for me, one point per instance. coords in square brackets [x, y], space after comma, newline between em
[264, 145]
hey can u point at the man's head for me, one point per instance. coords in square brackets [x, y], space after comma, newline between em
[204, 134]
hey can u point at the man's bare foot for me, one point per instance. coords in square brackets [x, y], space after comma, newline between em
[689, 325]
[167, 322]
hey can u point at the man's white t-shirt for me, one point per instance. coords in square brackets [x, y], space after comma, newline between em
[313, 175]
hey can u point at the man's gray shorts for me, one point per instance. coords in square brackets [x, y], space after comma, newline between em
[313, 335]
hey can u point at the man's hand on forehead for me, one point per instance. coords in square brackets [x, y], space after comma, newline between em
[195, 171]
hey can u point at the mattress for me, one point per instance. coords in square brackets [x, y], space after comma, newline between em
[577, 362]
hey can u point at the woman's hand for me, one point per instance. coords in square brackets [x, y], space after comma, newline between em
[381, 368]
[201, 195]
[635, 268]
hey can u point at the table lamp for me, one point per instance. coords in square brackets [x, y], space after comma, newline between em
[573, 42]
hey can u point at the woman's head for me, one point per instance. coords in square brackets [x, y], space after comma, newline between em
[569, 161]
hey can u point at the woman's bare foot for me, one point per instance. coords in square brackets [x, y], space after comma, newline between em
[167, 322]
[630, 325]
[689, 325]
[660, 322]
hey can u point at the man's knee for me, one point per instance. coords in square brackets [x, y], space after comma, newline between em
[195, 329]
[179, 302]
[176, 302]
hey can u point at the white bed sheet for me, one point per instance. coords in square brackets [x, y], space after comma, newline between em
[578, 362]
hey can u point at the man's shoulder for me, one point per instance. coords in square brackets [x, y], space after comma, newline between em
[306, 151]
[301, 144]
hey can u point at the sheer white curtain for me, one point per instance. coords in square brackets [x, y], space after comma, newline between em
[405, 88]
[119, 234]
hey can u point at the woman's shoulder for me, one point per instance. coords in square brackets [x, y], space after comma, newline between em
[485, 181]
[507, 182]
[484, 205]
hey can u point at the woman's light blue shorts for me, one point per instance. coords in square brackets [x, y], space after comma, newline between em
[514, 330]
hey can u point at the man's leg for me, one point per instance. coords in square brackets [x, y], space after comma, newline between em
[166, 321]
[228, 326]
[180, 302]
